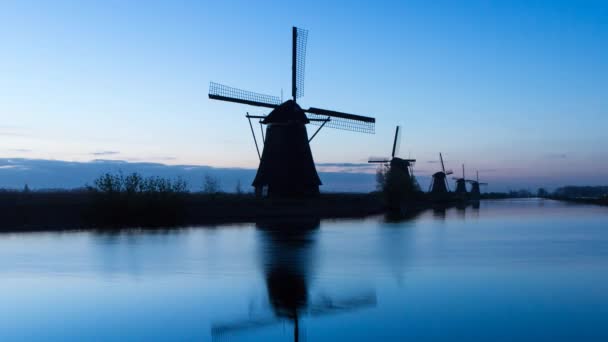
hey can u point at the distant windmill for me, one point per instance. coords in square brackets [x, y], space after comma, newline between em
[461, 183]
[286, 163]
[475, 191]
[439, 183]
[403, 166]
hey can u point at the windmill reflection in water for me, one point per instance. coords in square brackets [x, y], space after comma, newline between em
[287, 258]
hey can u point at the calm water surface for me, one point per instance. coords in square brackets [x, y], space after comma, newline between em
[509, 270]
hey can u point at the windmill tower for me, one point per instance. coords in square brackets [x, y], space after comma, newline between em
[399, 168]
[286, 165]
[475, 184]
[461, 184]
[439, 183]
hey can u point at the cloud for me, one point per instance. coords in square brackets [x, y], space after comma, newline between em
[347, 167]
[11, 134]
[162, 158]
[21, 150]
[490, 170]
[555, 156]
[344, 164]
[11, 131]
[49, 174]
[104, 153]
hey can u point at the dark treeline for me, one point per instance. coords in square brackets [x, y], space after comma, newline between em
[582, 192]
[117, 200]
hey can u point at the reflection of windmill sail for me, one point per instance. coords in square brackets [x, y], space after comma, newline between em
[287, 256]
[286, 164]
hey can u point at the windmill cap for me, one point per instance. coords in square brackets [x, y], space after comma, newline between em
[288, 112]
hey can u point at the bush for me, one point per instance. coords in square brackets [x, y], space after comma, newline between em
[396, 186]
[134, 199]
[211, 185]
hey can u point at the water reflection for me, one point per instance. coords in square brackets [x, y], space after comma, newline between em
[288, 255]
[439, 212]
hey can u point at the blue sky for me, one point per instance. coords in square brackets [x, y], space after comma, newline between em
[516, 89]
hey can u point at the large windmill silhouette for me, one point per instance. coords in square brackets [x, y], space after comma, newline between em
[286, 165]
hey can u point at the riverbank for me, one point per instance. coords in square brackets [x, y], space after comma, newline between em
[69, 210]
[596, 201]
[61, 210]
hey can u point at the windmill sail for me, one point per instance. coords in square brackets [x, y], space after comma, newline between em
[397, 142]
[344, 121]
[300, 37]
[225, 93]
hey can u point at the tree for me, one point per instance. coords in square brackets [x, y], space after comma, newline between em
[211, 185]
[381, 174]
[542, 192]
[238, 189]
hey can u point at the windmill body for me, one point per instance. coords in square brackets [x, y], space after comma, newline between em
[400, 178]
[287, 166]
[439, 182]
[461, 187]
[475, 191]
[475, 187]
[461, 184]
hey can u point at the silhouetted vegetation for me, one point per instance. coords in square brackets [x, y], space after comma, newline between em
[542, 193]
[137, 200]
[118, 200]
[581, 192]
[523, 193]
[397, 187]
[211, 185]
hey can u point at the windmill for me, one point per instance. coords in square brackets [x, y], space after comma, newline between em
[399, 168]
[461, 183]
[439, 183]
[286, 165]
[475, 191]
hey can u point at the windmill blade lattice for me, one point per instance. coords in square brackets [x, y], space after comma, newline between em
[225, 93]
[344, 121]
[300, 38]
